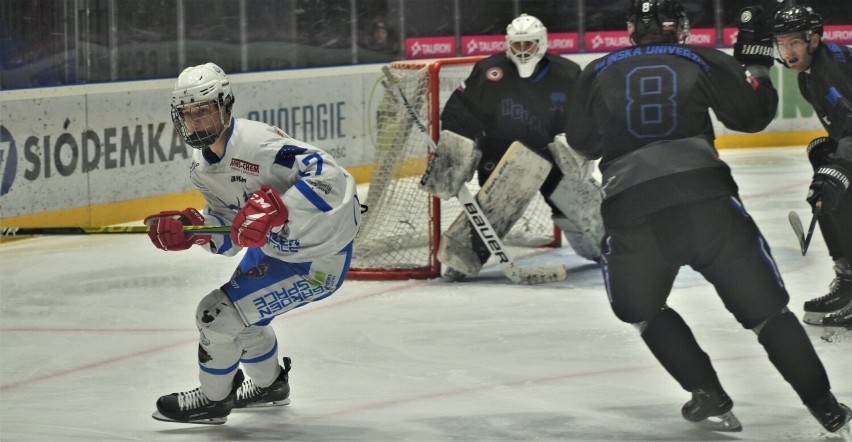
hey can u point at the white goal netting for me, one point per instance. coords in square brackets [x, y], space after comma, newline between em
[400, 232]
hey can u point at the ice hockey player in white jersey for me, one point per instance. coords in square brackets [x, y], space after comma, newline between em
[292, 207]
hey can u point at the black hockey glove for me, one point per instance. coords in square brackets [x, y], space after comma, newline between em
[819, 151]
[829, 185]
[754, 39]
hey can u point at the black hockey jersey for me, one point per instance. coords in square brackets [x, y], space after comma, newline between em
[494, 106]
[644, 111]
[828, 88]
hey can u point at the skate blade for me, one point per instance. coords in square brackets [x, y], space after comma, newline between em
[814, 318]
[836, 334]
[266, 404]
[723, 422]
[212, 421]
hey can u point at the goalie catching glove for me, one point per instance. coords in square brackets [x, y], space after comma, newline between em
[166, 229]
[263, 212]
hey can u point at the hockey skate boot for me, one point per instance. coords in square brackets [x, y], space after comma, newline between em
[833, 416]
[251, 395]
[710, 409]
[837, 324]
[192, 407]
[838, 297]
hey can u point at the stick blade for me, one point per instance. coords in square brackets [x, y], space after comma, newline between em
[798, 229]
[536, 275]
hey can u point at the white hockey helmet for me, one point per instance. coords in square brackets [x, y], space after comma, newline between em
[198, 92]
[526, 43]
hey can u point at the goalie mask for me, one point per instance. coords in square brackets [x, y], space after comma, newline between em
[526, 43]
[658, 17]
[201, 104]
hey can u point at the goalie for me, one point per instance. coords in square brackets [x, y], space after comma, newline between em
[506, 121]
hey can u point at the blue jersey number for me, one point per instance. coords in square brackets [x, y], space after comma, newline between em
[307, 162]
[651, 101]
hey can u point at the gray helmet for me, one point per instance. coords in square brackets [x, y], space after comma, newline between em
[199, 86]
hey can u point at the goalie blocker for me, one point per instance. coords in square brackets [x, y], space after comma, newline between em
[451, 165]
[503, 198]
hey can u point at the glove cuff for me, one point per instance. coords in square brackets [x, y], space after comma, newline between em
[837, 173]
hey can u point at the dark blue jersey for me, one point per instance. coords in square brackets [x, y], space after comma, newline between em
[644, 111]
[828, 88]
[495, 106]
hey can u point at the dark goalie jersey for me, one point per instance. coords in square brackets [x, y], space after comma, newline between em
[828, 88]
[495, 106]
[644, 111]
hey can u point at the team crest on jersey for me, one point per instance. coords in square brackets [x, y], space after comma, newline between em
[494, 74]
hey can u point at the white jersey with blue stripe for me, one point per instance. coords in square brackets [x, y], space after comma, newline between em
[320, 195]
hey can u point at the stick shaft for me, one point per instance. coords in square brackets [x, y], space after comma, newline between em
[99, 230]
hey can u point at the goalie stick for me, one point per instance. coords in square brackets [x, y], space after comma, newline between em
[473, 211]
[11, 232]
[799, 230]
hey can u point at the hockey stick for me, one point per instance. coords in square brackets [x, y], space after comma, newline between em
[474, 213]
[108, 230]
[796, 224]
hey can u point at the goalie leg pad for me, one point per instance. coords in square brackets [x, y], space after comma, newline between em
[503, 198]
[453, 164]
[580, 204]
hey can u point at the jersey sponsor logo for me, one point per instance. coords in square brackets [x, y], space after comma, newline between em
[320, 185]
[245, 166]
[281, 241]
[238, 179]
[279, 301]
[494, 74]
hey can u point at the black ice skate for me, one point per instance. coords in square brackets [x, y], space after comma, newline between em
[710, 409]
[838, 297]
[192, 407]
[833, 416]
[250, 395]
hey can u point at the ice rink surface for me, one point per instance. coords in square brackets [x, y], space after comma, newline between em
[94, 329]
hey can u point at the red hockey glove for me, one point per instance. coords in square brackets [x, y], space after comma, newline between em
[166, 231]
[263, 212]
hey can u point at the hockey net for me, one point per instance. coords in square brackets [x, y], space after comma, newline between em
[401, 230]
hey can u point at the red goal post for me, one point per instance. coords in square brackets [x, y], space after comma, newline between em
[401, 229]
